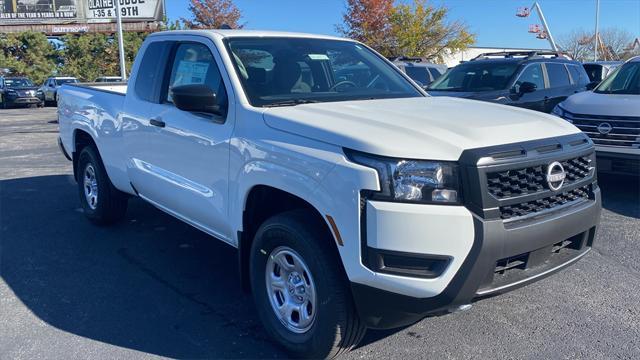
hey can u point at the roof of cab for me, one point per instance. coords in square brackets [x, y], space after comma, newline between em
[245, 33]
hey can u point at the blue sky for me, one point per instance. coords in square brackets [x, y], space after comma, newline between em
[493, 21]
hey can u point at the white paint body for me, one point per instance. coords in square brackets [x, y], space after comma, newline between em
[202, 172]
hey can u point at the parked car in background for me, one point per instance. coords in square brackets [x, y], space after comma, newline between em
[19, 91]
[610, 115]
[532, 80]
[108, 79]
[51, 86]
[598, 70]
[355, 201]
[424, 73]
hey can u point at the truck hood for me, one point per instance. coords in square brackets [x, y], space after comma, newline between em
[437, 128]
[590, 103]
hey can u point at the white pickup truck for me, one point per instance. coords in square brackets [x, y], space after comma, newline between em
[354, 199]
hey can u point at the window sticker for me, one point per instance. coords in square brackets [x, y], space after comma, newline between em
[191, 72]
[318, 57]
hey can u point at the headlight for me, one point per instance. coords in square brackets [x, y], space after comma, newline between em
[12, 92]
[419, 181]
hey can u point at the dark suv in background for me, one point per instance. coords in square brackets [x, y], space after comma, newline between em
[19, 91]
[532, 80]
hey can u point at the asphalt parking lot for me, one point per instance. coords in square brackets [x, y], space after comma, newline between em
[155, 287]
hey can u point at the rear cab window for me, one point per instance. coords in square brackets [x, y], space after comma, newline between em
[151, 71]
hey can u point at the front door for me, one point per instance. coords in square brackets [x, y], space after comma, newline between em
[186, 158]
[532, 73]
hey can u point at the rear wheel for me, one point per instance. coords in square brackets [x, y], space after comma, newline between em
[102, 203]
[300, 290]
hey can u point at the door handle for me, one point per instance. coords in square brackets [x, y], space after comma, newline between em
[157, 122]
[546, 98]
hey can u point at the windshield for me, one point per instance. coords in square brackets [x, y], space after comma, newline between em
[625, 80]
[11, 83]
[65, 81]
[290, 71]
[476, 76]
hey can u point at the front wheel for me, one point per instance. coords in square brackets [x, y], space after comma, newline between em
[300, 290]
[102, 203]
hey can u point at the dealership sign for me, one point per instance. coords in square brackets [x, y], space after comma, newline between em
[129, 9]
[77, 11]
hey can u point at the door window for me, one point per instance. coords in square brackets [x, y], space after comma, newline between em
[532, 74]
[194, 64]
[558, 76]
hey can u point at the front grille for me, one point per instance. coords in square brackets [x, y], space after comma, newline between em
[625, 130]
[550, 202]
[530, 180]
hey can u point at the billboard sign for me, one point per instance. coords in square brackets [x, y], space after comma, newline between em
[38, 10]
[105, 10]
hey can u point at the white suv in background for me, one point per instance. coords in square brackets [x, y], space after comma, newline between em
[610, 115]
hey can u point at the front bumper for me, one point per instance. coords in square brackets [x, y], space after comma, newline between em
[503, 257]
[12, 101]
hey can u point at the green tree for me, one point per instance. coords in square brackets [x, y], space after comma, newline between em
[28, 54]
[423, 30]
[418, 29]
[89, 56]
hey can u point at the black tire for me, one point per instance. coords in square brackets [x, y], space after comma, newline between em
[337, 327]
[110, 204]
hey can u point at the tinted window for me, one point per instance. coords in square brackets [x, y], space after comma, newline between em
[594, 71]
[66, 81]
[435, 73]
[578, 75]
[625, 80]
[151, 71]
[476, 76]
[286, 71]
[558, 75]
[532, 74]
[20, 82]
[194, 64]
[418, 74]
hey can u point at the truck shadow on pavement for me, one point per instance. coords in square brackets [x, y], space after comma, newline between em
[621, 194]
[151, 283]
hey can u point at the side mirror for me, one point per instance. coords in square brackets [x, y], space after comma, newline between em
[592, 85]
[527, 87]
[195, 98]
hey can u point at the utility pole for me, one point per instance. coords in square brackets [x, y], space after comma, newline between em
[123, 70]
[596, 36]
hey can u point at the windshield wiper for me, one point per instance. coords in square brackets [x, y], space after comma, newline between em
[291, 102]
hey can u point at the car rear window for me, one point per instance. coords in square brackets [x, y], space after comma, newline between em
[558, 75]
[418, 74]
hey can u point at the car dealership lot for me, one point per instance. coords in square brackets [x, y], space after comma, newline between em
[153, 286]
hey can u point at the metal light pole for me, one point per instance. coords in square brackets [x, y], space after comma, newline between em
[595, 37]
[538, 9]
[123, 70]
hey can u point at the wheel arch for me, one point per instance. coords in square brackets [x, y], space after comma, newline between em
[279, 201]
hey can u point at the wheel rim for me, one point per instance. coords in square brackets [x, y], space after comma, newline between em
[291, 290]
[91, 187]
